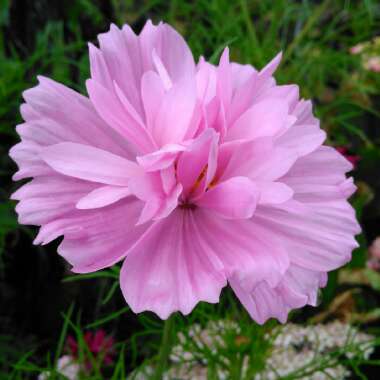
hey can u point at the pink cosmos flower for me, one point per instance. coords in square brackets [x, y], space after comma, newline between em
[195, 175]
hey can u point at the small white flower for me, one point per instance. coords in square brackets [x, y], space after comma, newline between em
[66, 366]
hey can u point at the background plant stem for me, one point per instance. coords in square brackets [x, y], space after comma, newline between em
[164, 352]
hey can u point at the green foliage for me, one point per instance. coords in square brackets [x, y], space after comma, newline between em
[8, 221]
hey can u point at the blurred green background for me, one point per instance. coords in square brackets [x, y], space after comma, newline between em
[331, 50]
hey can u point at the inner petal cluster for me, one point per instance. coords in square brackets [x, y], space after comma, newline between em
[191, 177]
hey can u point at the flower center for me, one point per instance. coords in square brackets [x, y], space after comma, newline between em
[187, 206]
[185, 201]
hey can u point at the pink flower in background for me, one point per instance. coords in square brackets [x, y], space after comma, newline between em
[357, 49]
[374, 249]
[373, 261]
[99, 344]
[195, 175]
[373, 64]
[354, 159]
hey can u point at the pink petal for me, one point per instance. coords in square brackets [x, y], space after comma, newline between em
[175, 53]
[288, 93]
[320, 239]
[146, 186]
[56, 114]
[264, 302]
[206, 82]
[120, 52]
[154, 189]
[168, 179]
[304, 113]
[198, 155]
[252, 89]
[152, 93]
[49, 197]
[273, 192]
[98, 67]
[150, 210]
[169, 203]
[240, 245]
[302, 139]
[235, 198]
[236, 158]
[128, 106]
[171, 48]
[26, 155]
[319, 177]
[117, 116]
[298, 288]
[266, 118]
[224, 79]
[161, 70]
[168, 270]
[28, 113]
[271, 67]
[241, 74]
[244, 96]
[212, 162]
[175, 113]
[274, 167]
[88, 163]
[306, 282]
[161, 159]
[103, 196]
[314, 193]
[98, 238]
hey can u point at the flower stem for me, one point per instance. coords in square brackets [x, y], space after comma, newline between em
[164, 352]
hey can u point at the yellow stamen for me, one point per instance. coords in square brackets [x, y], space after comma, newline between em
[199, 179]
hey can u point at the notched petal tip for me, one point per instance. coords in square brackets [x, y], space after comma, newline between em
[225, 57]
[347, 188]
[113, 26]
[272, 66]
[92, 49]
[42, 79]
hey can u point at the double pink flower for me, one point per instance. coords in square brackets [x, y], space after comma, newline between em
[195, 175]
